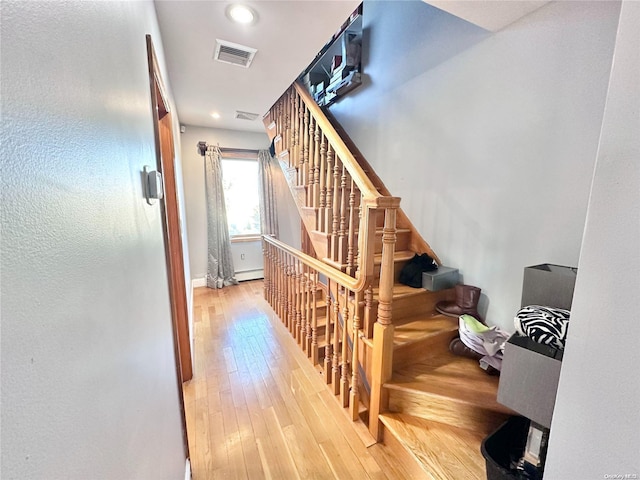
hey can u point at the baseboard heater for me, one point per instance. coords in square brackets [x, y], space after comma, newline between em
[254, 274]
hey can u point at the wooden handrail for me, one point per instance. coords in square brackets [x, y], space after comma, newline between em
[354, 284]
[363, 277]
[366, 186]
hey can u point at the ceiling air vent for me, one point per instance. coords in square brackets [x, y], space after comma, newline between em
[246, 115]
[234, 53]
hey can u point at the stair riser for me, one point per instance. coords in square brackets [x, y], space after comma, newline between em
[412, 467]
[397, 267]
[415, 352]
[445, 410]
[422, 303]
[321, 242]
[403, 239]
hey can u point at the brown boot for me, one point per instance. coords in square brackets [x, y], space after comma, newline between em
[458, 348]
[466, 302]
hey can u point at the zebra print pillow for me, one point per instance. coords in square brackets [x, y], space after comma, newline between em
[545, 325]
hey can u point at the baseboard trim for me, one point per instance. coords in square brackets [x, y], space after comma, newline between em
[187, 470]
[240, 276]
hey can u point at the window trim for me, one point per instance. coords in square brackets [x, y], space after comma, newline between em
[241, 154]
[250, 237]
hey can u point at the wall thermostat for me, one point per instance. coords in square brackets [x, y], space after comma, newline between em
[153, 189]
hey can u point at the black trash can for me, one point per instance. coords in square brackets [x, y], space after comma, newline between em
[504, 447]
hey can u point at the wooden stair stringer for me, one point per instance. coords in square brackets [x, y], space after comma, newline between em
[307, 214]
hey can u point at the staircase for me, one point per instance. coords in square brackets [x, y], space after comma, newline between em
[381, 346]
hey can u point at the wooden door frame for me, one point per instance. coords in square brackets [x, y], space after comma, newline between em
[171, 226]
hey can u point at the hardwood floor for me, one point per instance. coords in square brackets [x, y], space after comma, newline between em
[256, 407]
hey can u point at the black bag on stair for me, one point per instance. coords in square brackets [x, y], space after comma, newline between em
[411, 273]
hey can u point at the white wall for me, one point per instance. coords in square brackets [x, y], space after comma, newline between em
[89, 386]
[195, 204]
[490, 139]
[596, 423]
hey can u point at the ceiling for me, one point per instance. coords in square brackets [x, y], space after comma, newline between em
[288, 35]
[491, 15]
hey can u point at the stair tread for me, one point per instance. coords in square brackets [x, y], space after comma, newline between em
[452, 377]
[418, 327]
[443, 451]
[398, 256]
[401, 290]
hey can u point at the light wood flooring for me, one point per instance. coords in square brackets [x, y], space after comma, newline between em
[256, 407]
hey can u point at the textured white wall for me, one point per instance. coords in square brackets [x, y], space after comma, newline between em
[89, 385]
[489, 139]
[595, 432]
[193, 165]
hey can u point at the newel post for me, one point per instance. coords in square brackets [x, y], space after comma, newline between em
[383, 328]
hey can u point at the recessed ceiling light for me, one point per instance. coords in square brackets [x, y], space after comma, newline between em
[241, 14]
[215, 115]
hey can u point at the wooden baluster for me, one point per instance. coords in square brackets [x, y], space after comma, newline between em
[296, 135]
[368, 312]
[272, 274]
[290, 125]
[342, 228]
[286, 138]
[335, 215]
[351, 244]
[328, 210]
[301, 316]
[279, 121]
[327, 335]
[286, 108]
[382, 363]
[315, 354]
[304, 142]
[280, 293]
[283, 290]
[316, 165]
[344, 364]
[310, 165]
[361, 232]
[335, 369]
[295, 319]
[322, 184]
[275, 284]
[292, 296]
[287, 284]
[265, 261]
[295, 159]
[286, 305]
[354, 395]
[304, 320]
[310, 300]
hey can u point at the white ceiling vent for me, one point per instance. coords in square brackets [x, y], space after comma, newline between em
[233, 53]
[246, 115]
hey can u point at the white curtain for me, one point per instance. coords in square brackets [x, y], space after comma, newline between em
[268, 211]
[220, 271]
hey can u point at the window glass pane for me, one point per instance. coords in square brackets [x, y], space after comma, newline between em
[241, 196]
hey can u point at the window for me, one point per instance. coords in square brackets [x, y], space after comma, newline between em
[240, 183]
